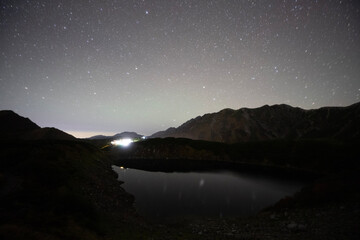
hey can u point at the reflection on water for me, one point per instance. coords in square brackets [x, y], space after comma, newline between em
[159, 194]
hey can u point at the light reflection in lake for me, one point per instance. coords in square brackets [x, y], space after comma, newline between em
[211, 194]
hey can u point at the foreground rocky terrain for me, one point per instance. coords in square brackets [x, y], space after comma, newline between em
[330, 221]
[325, 209]
[59, 190]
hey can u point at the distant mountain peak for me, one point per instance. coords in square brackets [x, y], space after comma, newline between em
[265, 123]
[132, 135]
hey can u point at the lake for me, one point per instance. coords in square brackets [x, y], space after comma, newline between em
[205, 194]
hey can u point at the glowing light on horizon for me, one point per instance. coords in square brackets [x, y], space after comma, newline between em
[125, 142]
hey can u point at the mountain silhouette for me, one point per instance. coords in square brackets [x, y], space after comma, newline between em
[132, 135]
[270, 123]
[11, 123]
[14, 126]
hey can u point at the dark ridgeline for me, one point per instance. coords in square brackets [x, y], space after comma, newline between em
[14, 126]
[271, 123]
[11, 123]
[132, 135]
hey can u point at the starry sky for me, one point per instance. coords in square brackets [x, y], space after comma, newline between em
[87, 66]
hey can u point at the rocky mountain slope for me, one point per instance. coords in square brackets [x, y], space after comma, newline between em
[270, 123]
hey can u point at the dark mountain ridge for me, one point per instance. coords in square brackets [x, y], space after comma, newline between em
[117, 136]
[13, 123]
[270, 123]
[14, 126]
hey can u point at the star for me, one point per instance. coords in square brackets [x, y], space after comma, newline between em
[171, 58]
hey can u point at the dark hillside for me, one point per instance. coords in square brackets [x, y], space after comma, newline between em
[12, 124]
[47, 133]
[59, 190]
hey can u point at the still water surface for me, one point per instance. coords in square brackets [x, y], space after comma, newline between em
[206, 194]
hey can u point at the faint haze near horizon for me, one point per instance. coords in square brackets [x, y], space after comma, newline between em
[84, 134]
[144, 66]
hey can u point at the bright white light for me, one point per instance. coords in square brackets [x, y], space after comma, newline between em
[122, 142]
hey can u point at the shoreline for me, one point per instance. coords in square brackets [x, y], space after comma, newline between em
[194, 165]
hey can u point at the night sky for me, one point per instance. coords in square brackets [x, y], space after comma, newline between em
[144, 66]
